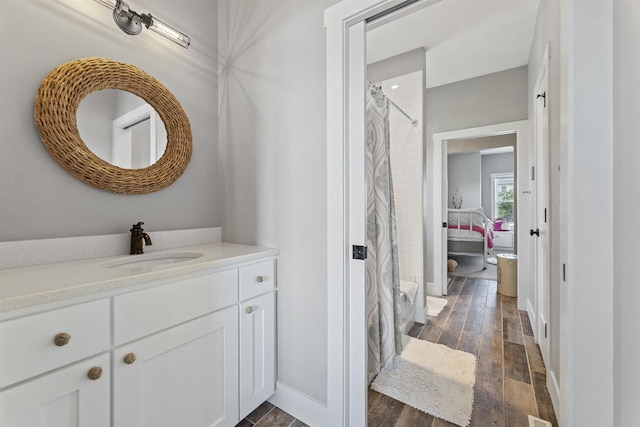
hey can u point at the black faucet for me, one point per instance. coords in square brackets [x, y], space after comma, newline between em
[137, 234]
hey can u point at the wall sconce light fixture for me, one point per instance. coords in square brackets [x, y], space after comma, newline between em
[131, 22]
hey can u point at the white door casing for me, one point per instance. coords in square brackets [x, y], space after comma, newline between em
[585, 135]
[346, 391]
[122, 136]
[542, 238]
[521, 130]
[346, 396]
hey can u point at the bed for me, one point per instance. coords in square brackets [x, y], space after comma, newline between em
[469, 232]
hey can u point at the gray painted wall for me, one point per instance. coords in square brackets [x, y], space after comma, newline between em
[465, 175]
[38, 198]
[495, 98]
[626, 205]
[493, 163]
[273, 155]
[548, 31]
[399, 65]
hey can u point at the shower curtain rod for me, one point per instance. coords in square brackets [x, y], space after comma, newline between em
[411, 119]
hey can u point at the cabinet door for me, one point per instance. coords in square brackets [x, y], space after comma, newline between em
[257, 352]
[184, 376]
[66, 397]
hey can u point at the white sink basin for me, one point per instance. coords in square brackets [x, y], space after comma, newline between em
[134, 262]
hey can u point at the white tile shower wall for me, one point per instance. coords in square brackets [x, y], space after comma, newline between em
[406, 168]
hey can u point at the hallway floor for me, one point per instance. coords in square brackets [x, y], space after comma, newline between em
[511, 377]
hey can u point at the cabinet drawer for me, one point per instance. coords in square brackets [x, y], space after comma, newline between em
[28, 346]
[256, 279]
[144, 312]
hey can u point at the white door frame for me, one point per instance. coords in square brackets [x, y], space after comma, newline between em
[346, 65]
[585, 134]
[521, 130]
[122, 137]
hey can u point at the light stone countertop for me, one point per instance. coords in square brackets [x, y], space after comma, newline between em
[22, 287]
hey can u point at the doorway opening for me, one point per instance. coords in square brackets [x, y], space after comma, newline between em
[480, 100]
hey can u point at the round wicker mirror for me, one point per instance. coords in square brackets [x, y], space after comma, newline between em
[55, 109]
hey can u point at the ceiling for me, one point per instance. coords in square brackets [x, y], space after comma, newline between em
[463, 38]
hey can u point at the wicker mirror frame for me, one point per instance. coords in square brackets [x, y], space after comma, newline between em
[55, 109]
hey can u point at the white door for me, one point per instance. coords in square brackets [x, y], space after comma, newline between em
[541, 231]
[257, 352]
[184, 376]
[356, 294]
[67, 397]
[440, 196]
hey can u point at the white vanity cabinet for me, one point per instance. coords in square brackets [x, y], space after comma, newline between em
[257, 335]
[72, 391]
[66, 397]
[257, 352]
[196, 349]
[185, 371]
[184, 376]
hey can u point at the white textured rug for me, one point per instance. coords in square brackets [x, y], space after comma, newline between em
[432, 378]
[435, 305]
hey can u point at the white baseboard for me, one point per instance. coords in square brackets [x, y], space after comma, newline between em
[554, 391]
[532, 318]
[301, 406]
[434, 290]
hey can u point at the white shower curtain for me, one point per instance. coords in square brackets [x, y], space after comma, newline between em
[382, 270]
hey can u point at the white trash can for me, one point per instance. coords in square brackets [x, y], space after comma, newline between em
[508, 274]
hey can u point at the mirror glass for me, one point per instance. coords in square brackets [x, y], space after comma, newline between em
[121, 128]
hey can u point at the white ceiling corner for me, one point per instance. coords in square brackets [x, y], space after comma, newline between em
[463, 38]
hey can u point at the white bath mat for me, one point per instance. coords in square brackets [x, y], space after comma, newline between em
[435, 305]
[432, 378]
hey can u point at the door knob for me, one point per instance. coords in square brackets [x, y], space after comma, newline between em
[536, 232]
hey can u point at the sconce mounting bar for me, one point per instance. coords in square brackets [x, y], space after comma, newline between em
[131, 22]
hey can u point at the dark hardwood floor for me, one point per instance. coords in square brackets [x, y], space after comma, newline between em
[511, 377]
[267, 415]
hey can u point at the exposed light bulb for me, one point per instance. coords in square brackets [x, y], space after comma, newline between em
[169, 32]
[111, 4]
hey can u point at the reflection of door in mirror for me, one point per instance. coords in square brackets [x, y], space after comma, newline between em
[121, 128]
[139, 138]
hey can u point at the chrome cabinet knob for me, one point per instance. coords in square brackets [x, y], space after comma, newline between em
[249, 309]
[260, 279]
[62, 339]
